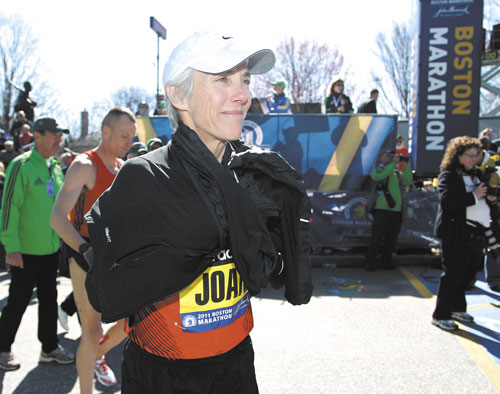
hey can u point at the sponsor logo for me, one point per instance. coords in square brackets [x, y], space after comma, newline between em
[355, 209]
[251, 133]
[38, 181]
[451, 11]
[189, 321]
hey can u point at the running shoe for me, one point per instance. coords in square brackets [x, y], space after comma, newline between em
[448, 324]
[59, 355]
[464, 317]
[103, 373]
[8, 361]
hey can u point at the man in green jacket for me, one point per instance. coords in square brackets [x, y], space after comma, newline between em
[387, 214]
[32, 182]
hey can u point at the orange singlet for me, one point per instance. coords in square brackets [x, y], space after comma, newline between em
[87, 198]
[209, 317]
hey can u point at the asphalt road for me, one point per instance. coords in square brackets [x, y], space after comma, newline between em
[361, 333]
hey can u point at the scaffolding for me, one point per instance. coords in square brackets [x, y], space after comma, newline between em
[491, 68]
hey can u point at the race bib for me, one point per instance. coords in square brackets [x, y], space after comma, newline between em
[215, 299]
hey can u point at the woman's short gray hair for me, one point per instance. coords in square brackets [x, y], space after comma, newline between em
[183, 89]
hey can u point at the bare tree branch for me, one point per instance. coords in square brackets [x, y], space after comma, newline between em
[394, 53]
[18, 63]
[307, 67]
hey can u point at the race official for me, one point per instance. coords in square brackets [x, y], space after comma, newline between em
[32, 183]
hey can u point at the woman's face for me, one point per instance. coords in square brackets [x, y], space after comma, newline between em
[338, 87]
[218, 105]
[469, 158]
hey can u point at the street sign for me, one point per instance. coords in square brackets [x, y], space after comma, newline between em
[157, 27]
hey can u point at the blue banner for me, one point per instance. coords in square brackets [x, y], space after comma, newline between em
[331, 152]
[448, 65]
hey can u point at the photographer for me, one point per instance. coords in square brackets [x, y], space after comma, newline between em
[490, 168]
[464, 215]
[387, 215]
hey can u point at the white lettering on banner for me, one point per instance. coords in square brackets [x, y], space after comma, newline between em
[435, 126]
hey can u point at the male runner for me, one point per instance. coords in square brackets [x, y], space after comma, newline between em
[89, 175]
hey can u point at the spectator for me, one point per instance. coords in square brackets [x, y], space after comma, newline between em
[153, 144]
[277, 102]
[142, 109]
[337, 101]
[3, 137]
[33, 179]
[255, 107]
[464, 210]
[25, 102]
[428, 186]
[191, 182]
[369, 106]
[487, 163]
[17, 122]
[65, 160]
[137, 149]
[160, 109]
[488, 133]
[89, 175]
[160, 105]
[387, 213]
[25, 136]
[8, 154]
[401, 150]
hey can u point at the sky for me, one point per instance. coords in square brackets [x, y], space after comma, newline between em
[91, 48]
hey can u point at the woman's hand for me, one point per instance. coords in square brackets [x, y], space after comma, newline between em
[480, 190]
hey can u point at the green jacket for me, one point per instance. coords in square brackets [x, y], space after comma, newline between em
[389, 171]
[27, 204]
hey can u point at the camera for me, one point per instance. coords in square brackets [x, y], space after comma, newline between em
[384, 188]
[403, 158]
[492, 180]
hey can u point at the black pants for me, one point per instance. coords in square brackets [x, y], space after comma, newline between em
[39, 272]
[385, 230]
[460, 265]
[229, 373]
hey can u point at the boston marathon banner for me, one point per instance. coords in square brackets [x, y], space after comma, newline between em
[446, 80]
[331, 152]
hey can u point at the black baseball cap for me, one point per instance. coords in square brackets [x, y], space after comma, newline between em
[47, 124]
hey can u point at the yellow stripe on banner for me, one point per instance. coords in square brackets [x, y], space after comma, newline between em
[477, 351]
[344, 154]
[145, 130]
